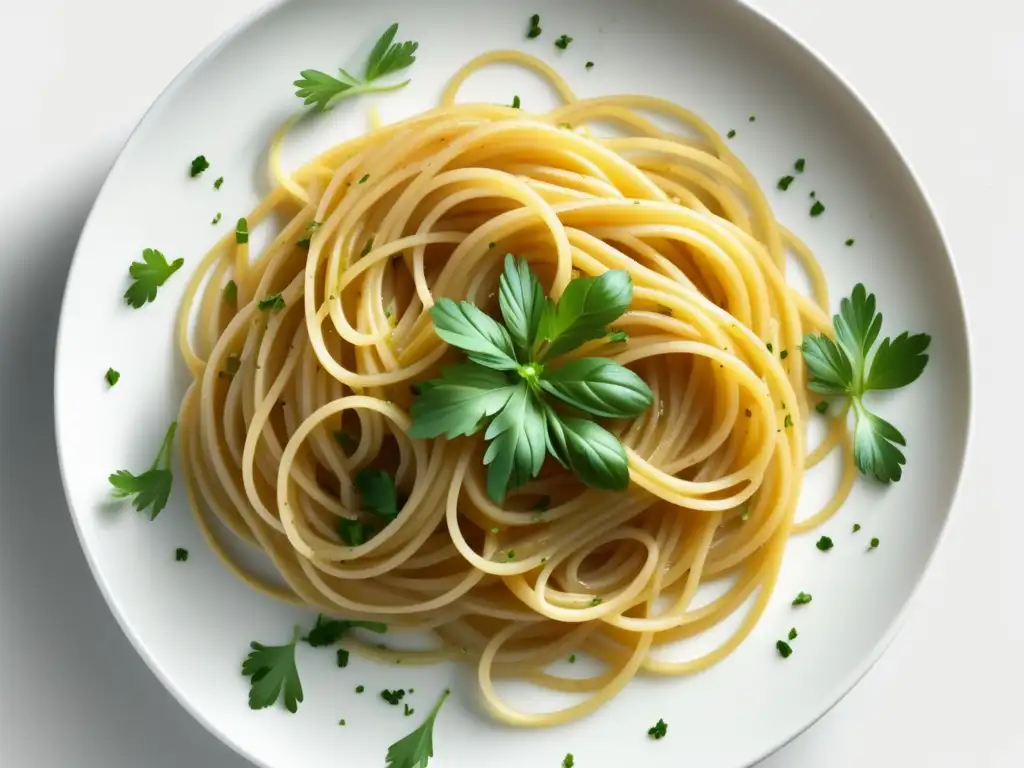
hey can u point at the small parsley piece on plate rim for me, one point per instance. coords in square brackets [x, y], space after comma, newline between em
[151, 489]
[112, 376]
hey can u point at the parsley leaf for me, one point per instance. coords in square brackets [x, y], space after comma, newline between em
[598, 386]
[112, 376]
[589, 450]
[377, 489]
[658, 730]
[874, 446]
[898, 362]
[271, 670]
[329, 631]
[458, 403]
[274, 302]
[199, 164]
[352, 532]
[845, 368]
[483, 340]
[149, 274]
[416, 749]
[152, 488]
[323, 91]
[587, 305]
[521, 299]
[517, 448]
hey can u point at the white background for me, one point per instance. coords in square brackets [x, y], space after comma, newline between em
[947, 80]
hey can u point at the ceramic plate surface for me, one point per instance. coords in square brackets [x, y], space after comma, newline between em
[193, 622]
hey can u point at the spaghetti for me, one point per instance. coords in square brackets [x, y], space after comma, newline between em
[290, 400]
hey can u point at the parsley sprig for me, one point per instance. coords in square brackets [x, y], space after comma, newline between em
[846, 368]
[272, 671]
[510, 385]
[152, 488]
[329, 631]
[148, 275]
[416, 749]
[387, 57]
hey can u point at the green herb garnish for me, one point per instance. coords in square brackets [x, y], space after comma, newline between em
[271, 670]
[329, 631]
[242, 231]
[217, 184]
[230, 292]
[590, 65]
[152, 488]
[392, 697]
[783, 354]
[788, 421]
[180, 555]
[216, 219]
[568, 761]
[352, 532]
[563, 42]
[618, 337]
[199, 165]
[572, 658]
[792, 634]
[377, 489]
[799, 165]
[409, 710]
[822, 407]
[111, 376]
[534, 29]
[516, 103]
[752, 118]
[849, 242]
[658, 730]
[874, 543]
[416, 749]
[148, 275]
[342, 658]
[271, 302]
[731, 134]
[802, 599]
[817, 209]
[783, 648]
[856, 527]
[323, 91]
[360, 688]
[365, 178]
[824, 544]
[784, 182]
[842, 368]
[508, 380]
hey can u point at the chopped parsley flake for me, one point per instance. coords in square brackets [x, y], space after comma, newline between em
[572, 658]
[817, 209]
[216, 219]
[393, 697]
[768, 346]
[563, 42]
[272, 302]
[596, 602]
[874, 543]
[824, 544]
[242, 232]
[849, 243]
[409, 710]
[822, 407]
[534, 29]
[181, 555]
[199, 165]
[342, 658]
[784, 182]
[783, 648]
[516, 103]
[788, 421]
[111, 376]
[799, 165]
[342, 721]
[802, 599]
[217, 184]
[658, 730]
[590, 65]
[856, 527]
[731, 134]
[364, 179]
[360, 688]
[568, 762]
[792, 634]
[783, 354]
[752, 118]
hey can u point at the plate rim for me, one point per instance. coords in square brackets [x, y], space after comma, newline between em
[756, 14]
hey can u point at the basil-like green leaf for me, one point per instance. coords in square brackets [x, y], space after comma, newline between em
[522, 302]
[592, 452]
[377, 489]
[517, 444]
[874, 446]
[464, 326]
[586, 307]
[598, 386]
[459, 402]
[857, 326]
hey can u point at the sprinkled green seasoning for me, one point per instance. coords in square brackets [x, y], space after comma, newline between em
[364, 179]
[792, 634]
[215, 219]
[849, 243]
[799, 165]
[731, 134]
[111, 376]
[817, 209]
[783, 648]
[516, 102]
[822, 407]
[856, 527]
[199, 165]
[784, 182]
[181, 555]
[658, 730]
[788, 421]
[242, 231]
[534, 29]
[218, 182]
[563, 42]
[874, 543]
[802, 599]
[590, 65]
[824, 544]
[360, 688]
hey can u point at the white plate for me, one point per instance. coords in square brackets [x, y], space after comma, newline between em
[192, 623]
